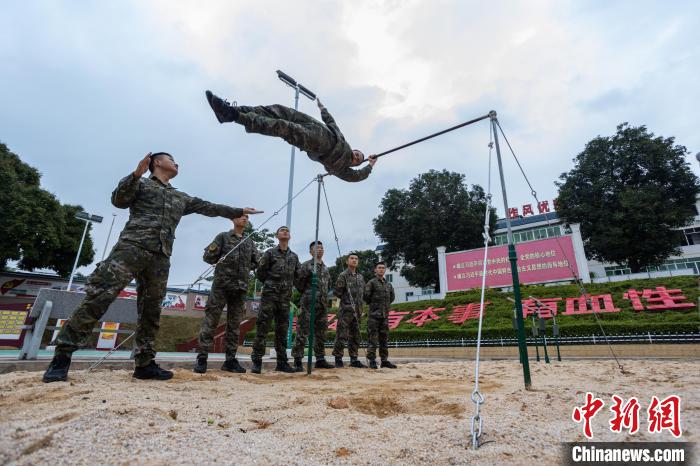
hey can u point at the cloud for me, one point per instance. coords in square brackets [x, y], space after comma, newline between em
[87, 88]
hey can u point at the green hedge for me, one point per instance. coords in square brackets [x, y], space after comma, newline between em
[498, 316]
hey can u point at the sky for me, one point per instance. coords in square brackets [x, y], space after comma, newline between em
[87, 88]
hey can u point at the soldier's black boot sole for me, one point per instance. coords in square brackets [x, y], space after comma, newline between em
[201, 366]
[339, 363]
[388, 365]
[298, 366]
[373, 364]
[257, 367]
[223, 111]
[323, 364]
[152, 372]
[57, 370]
[284, 367]
[358, 364]
[233, 366]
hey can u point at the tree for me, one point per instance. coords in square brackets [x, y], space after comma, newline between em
[38, 231]
[630, 192]
[367, 260]
[438, 209]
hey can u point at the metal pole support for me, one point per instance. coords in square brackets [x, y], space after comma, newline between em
[314, 283]
[513, 258]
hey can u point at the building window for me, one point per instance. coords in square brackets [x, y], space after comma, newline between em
[409, 294]
[428, 290]
[389, 277]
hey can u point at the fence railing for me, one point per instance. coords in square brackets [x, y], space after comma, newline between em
[647, 338]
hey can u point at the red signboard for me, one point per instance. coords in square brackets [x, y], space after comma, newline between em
[538, 261]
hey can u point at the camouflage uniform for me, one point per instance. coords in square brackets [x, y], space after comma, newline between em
[347, 331]
[142, 252]
[229, 288]
[278, 270]
[379, 294]
[322, 142]
[303, 284]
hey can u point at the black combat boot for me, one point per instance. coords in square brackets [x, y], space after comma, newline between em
[224, 111]
[354, 362]
[152, 371]
[372, 364]
[388, 364]
[283, 366]
[338, 363]
[298, 366]
[58, 369]
[233, 366]
[257, 366]
[323, 364]
[201, 366]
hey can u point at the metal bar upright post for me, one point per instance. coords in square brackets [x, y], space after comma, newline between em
[314, 283]
[513, 257]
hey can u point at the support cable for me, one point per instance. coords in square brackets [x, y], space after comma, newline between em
[213, 266]
[578, 280]
[337, 244]
[476, 396]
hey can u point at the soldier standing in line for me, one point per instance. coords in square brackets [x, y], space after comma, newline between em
[349, 288]
[379, 294]
[303, 284]
[142, 252]
[278, 270]
[229, 288]
[322, 142]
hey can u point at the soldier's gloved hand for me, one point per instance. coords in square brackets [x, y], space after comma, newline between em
[142, 167]
[372, 159]
[252, 210]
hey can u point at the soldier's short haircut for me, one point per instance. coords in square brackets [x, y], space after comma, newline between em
[350, 255]
[379, 263]
[311, 245]
[151, 167]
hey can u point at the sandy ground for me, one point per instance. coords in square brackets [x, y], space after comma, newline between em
[417, 414]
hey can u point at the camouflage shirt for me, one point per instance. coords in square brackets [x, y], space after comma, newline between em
[349, 283]
[379, 294]
[303, 282]
[235, 268]
[339, 159]
[278, 271]
[155, 210]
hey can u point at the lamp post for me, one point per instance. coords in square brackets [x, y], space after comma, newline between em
[87, 218]
[298, 88]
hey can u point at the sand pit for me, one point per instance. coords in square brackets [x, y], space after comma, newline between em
[418, 413]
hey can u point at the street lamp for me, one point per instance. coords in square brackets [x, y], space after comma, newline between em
[87, 218]
[298, 88]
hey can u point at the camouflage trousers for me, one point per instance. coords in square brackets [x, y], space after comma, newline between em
[269, 310]
[377, 336]
[297, 128]
[320, 328]
[347, 333]
[220, 296]
[125, 261]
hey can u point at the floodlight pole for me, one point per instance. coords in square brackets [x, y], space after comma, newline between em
[290, 190]
[513, 257]
[291, 82]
